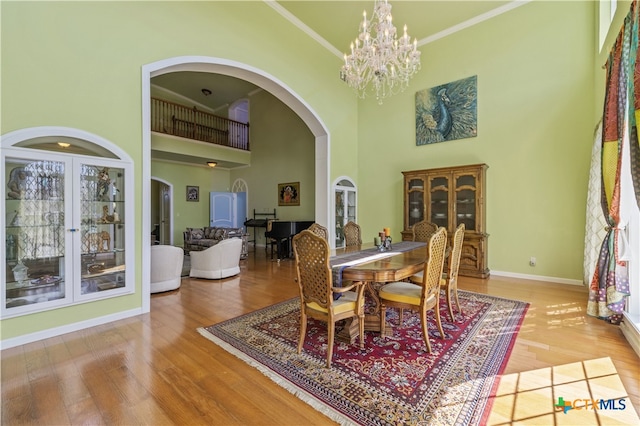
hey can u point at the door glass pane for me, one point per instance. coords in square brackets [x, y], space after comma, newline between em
[351, 206]
[35, 243]
[416, 201]
[345, 208]
[102, 229]
[439, 187]
[466, 201]
[339, 217]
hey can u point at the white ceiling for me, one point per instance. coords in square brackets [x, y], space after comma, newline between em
[224, 89]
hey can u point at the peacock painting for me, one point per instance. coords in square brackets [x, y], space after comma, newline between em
[447, 112]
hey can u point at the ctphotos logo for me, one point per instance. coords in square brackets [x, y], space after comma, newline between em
[590, 404]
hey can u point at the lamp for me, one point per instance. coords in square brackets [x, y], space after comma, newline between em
[379, 58]
[64, 144]
[211, 164]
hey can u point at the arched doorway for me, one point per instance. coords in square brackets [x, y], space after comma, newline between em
[257, 77]
[161, 211]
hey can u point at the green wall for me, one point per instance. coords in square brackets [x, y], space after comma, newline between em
[535, 131]
[78, 64]
[282, 150]
[190, 213]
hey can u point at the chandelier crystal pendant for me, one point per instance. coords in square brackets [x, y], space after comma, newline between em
[380, 62]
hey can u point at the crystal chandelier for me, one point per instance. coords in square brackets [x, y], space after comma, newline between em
[379, 58]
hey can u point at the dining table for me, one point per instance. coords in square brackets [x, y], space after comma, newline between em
[367, 264]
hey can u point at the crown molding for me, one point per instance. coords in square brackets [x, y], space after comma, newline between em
[473, 21]
[437, 36]
[302, 26]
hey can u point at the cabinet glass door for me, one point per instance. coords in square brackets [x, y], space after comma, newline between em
[64, 228]
[415, 189]
[339, 218]
[466, 209]
[345, 208]
[36, 241]
[351, 206]
[439, 188]
[102, 229]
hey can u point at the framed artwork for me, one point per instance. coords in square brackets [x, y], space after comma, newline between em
[193, 193]
[289, 194]
[447, 112]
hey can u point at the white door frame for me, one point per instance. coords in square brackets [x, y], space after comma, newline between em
[170, 185]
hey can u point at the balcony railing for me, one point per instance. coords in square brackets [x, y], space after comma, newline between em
[177, 120]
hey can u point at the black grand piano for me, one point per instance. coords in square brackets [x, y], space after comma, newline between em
[282, 232]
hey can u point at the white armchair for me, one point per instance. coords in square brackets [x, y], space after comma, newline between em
[166, 267]
[219, 261]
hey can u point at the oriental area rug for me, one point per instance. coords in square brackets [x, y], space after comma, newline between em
[394, 380]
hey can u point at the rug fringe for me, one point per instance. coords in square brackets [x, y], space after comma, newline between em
[296, 391]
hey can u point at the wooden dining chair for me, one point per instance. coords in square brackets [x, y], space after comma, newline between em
[319, 230]
[423, 230]
[352, 234]
[270, 241]
[314, 278]
[422, 298]
[449, 280]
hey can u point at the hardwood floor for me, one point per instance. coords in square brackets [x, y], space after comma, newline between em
[156, 369]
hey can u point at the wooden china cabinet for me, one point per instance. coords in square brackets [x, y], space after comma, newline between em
[447, 197]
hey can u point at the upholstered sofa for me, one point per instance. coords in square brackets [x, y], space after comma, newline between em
[219, 261]
[198, 239]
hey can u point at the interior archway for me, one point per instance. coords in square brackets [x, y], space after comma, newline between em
[257, 77]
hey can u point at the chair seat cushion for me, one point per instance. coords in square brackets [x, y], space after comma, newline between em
[417, 278]
[401, 292]
[346, 303]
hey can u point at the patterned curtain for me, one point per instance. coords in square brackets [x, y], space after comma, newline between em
[634, 91]
[596, 224]
[610, 283]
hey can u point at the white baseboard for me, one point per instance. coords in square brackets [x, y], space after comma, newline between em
[536, 277]
[631, 333]
[57, 331]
